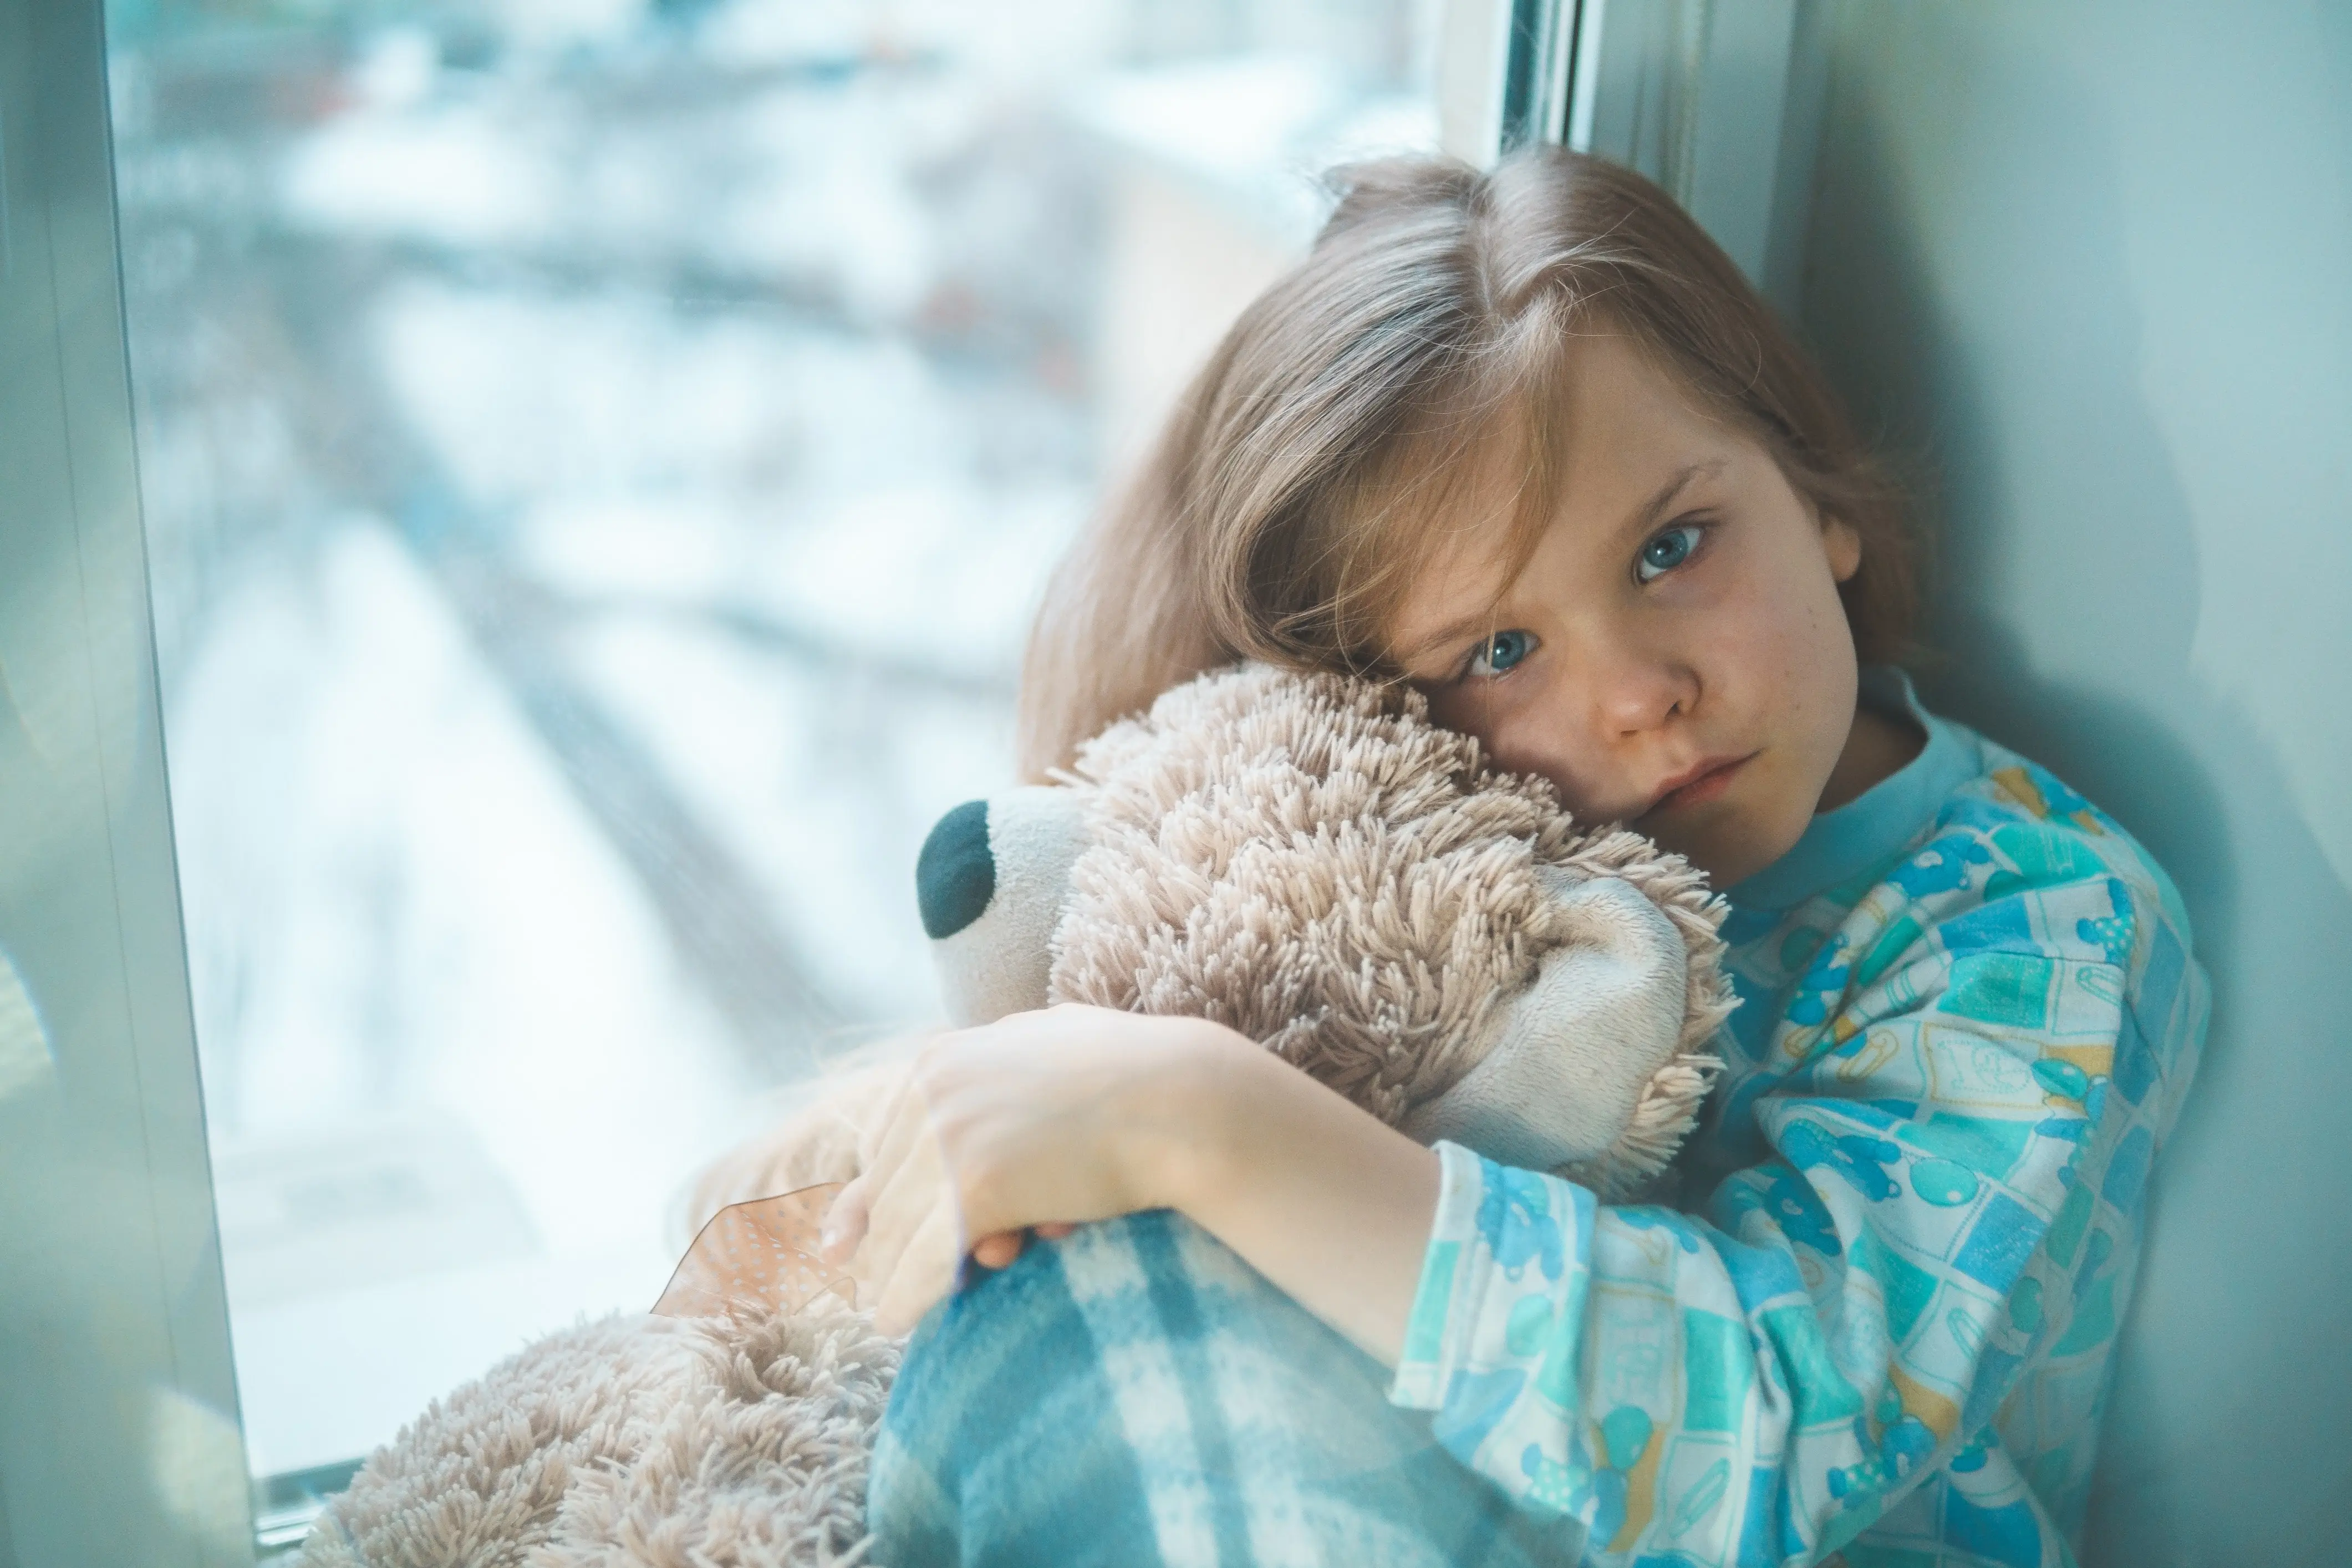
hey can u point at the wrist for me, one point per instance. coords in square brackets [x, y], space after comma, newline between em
[1188, 1120]
[1307, 1187]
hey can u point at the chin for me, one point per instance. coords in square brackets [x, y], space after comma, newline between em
[1705, 851]
[1732, 849]
[1722, 870]
[1768, 849]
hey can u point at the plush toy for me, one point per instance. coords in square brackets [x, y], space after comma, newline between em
[1303, 857]
[1308, 860]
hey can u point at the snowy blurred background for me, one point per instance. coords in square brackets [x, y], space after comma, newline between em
[599, 459]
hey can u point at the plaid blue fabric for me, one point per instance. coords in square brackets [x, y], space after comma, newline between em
[1137, 1394]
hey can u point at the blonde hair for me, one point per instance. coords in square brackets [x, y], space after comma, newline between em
[1287, 505]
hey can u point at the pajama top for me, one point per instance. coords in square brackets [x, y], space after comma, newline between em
[1886, 1324]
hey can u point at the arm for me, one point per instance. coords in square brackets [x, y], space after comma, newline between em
[1938, 1155]
[1328, 1203]
[1082, 1113]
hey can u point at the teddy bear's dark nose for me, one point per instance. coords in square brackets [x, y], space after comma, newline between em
[955, 876]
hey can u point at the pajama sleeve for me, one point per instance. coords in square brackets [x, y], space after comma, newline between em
[1924, 1176]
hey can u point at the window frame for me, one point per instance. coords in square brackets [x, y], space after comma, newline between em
[119, 1439]
[1717, 102]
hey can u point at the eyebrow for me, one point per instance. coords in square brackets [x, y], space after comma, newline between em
[1641, 520]
[1646, 517]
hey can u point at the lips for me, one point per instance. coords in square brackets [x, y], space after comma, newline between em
[1702, 781]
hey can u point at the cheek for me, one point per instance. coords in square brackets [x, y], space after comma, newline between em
[1520, 725]
[1463, 709]
[1794, 666]
[1788, 638]
[1819, 654]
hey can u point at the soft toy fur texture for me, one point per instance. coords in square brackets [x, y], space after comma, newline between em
[649, 1442]
[1305, 858]
[1308, 860]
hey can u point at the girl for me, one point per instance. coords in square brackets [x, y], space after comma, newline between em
[1528, 440]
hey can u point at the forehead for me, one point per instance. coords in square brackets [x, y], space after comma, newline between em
[1616, 432]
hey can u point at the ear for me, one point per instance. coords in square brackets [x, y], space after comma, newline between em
[1843, 542]
[991, 881]
[1566, 1061]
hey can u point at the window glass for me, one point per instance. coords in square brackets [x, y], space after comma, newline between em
[599, 460]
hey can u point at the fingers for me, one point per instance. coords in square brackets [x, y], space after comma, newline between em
[887, 1141]
[905, 1119]
[846, 1224]
[924, 1271]
[907, 1193]
[999, 1251]
[1003, 1248]
[962, 1145]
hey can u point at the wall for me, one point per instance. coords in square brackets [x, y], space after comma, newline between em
[2089, 264]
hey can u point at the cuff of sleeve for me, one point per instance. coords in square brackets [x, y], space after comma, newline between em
[1441, 1317]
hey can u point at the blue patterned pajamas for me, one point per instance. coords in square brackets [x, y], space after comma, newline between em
[1888, 1321]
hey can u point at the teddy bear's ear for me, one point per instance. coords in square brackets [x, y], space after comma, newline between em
[1565, 1063]
[991, 881]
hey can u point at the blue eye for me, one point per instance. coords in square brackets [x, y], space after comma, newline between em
[1498, 653]
[1666, 552]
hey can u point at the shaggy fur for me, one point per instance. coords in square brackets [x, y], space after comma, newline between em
[645, 1442]
[1307, 858]
[1303, 858]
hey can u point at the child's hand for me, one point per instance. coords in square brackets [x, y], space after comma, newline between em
[1084, 1113]
[1042, 1119]
[1001, 1250]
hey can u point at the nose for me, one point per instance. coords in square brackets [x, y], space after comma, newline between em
[1637, 689]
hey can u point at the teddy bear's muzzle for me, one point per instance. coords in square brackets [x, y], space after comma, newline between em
[1566, 1061]
[991, 881]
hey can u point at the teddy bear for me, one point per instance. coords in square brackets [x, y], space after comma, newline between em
[1303, 857]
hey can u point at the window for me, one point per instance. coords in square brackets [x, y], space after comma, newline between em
[599, 460]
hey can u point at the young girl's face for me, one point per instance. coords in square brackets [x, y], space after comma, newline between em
[1674, 655]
